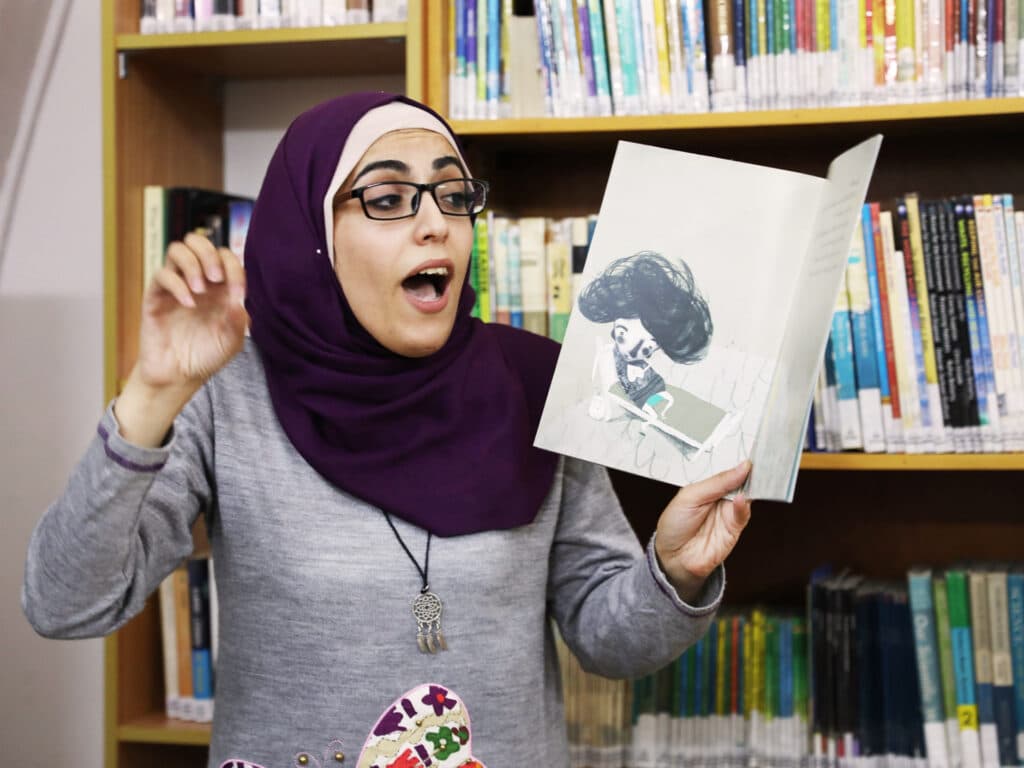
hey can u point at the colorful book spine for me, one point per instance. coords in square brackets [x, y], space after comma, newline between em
[600, 52]
[919, 584]
[865, 343]
[841, 344]
[1015, 611]
[947, 675]
[963, 667]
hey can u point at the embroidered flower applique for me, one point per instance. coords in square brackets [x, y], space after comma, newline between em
[427, 727]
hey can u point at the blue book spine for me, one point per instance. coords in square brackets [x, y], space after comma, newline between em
[785, 667]
[870, 261]
[587, 50]
[471, 59]
[926, 653]
[684, 681]
[1015, 600]
[627, 51]
[711, 690]
[739, 32]
[199, 627]
[547, 58]
[601, 79]
[457, 107]
[493, 56]
[688, 45]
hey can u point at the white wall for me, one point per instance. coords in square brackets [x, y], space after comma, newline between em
[51, 393]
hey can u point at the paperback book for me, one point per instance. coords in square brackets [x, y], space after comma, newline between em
[705, 304]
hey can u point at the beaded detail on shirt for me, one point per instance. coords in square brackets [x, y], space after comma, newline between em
[427, 727]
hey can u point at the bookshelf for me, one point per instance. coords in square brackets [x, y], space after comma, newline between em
[876, 513]
[163, 96]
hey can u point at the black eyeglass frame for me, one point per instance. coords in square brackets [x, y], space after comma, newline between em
[358, 192]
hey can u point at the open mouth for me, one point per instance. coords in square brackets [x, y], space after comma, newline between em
[428, 284]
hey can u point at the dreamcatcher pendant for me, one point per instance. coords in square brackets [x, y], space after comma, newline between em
[426, 609]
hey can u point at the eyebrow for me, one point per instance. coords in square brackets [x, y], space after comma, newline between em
[397, 165]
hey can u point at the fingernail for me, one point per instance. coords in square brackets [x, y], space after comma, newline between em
[197, 284]
[216, 275]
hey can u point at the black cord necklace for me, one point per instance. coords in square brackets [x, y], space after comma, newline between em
[426, 608]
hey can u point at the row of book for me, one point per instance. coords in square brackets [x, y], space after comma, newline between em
[928, 672]
[188, 634]
[170, 16]
[627, 57]
[926, 351]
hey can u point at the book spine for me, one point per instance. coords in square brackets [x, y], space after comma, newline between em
[182, 629]
[845, 377]
[963, 665]
[515, 279]
[980, 403]
[942, 441]
[169, 639]
[559, 277]
[981, 639]
[965, 393]
[482, 268]
[937, 292]
[944, 642]
[599, 44]
[864, 345]
[533, 270]
[991, 431]
[916, 325]
[894, 441]
[1015, 611]
[199, 635]
[498, 226]
[903, 343]
[919, 584]
[615, 70]
[1002, 667]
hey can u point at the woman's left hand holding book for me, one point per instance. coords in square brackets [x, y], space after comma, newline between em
[700, 527]
[193, 323]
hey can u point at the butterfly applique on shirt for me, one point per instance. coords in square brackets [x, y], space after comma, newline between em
[427, 727]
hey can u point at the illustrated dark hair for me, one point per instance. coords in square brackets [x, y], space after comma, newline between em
[661, 294]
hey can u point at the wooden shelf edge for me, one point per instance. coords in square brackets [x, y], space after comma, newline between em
[781, 117]
[157, 728]
[916, 461]
[239, 37]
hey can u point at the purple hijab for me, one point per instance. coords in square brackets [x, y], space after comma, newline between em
[444, 441]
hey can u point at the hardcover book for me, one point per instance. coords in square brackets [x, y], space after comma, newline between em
[704, 309]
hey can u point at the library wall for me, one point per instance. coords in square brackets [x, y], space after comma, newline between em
[51, 390]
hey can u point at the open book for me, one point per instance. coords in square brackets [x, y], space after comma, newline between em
[705, 306]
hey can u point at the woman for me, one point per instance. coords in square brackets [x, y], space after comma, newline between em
[368, 451]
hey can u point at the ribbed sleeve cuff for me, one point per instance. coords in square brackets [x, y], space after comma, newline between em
[127, 455]
[710, 597]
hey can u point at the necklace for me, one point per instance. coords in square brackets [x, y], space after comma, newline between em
[426, 608]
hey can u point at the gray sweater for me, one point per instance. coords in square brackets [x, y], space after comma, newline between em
[317, 637]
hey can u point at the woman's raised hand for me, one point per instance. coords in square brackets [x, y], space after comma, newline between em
[193, 323]
[193, 320]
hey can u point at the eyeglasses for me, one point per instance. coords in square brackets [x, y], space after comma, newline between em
[388, 200]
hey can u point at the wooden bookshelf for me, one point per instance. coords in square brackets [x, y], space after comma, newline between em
[880, 116]
[876, 513]
[362, 49]
[162, 103]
